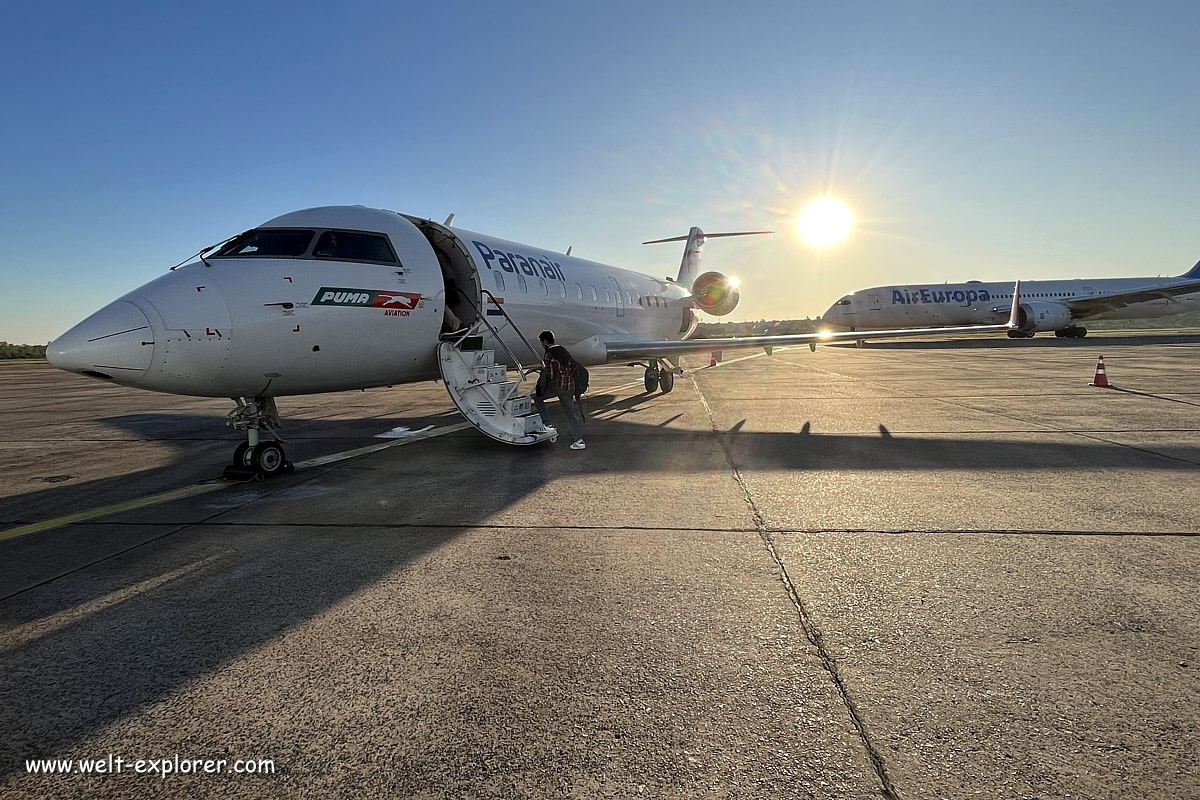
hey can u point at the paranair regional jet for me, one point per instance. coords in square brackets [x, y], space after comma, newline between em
[1057, 306]
[347, 297]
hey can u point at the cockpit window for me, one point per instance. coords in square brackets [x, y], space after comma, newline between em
[351, 246]
[845, 301]
[268, 243]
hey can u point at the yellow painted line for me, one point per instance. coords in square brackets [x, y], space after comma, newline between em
[115, 508]
[31, 631]
[203, 488]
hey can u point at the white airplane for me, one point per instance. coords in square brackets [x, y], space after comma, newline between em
[347, 297]
[1045, 305]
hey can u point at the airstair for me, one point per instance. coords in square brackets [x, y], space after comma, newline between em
[482, 390]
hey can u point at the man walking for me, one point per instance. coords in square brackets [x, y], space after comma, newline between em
[558, 380]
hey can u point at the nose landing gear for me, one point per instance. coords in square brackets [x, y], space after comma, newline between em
[257, 457]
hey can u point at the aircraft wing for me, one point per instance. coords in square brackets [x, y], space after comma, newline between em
[623, 351]
[1083, 307]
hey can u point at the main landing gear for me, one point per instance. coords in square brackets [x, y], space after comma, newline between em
[1020, 334]
[1074, 332]
[262, 454]
[659, 375]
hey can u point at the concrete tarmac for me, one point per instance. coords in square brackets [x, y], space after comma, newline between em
[915, 570]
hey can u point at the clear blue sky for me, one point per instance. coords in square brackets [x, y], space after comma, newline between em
[971, 139]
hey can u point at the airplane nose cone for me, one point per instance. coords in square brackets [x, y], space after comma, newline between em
[115, 343]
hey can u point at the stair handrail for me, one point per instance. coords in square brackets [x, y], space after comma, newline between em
[481, 316]
[536, 355]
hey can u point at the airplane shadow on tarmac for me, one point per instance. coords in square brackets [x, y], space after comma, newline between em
[1096, 338]
[64, 679]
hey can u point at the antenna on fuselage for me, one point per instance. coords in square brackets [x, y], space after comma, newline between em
[569, 249]
[449, 220]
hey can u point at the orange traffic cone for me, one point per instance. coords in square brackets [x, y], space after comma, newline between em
[1101, 379]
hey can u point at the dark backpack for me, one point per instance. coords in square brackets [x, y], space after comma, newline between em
[580, 374]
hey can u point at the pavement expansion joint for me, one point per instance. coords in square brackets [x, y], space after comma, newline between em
[978, 532]
[811, 631]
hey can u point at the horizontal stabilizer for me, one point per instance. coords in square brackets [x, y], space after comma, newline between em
[707, 236]
[689, 267]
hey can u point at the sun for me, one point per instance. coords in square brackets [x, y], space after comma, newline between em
[824, 222]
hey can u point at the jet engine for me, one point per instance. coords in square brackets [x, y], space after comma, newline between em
[1043, 317]
[715, 293]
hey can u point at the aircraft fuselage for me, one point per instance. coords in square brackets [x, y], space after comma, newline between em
[251, 322]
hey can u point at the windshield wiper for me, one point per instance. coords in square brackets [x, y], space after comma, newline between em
[206, 249]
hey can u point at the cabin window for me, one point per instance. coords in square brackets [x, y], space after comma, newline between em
[579, 291]
[521, 282]
[595, 297]
[629, 298]
[607, 296]
[268, 243]
[545, 286]
[499, 281]
[352, 246]
[562, 290]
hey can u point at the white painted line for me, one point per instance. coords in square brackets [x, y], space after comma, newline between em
[375, 448]
[403, 432]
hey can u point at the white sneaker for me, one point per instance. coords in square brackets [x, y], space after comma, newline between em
[547, 429]
[579, 445]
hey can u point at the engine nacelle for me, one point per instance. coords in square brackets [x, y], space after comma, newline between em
[715, 294]
[1043, 317]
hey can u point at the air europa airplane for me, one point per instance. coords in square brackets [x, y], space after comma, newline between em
[1046, 305]
[347, 297]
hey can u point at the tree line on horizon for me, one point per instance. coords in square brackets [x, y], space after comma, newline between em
[10, 351]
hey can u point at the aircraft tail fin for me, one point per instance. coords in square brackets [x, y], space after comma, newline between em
[1194, 272]
[689, 267]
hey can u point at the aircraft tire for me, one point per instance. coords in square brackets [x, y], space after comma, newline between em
[268, 459]
[1080, 332]
[666, 381]
[650, 380]
[239, 455]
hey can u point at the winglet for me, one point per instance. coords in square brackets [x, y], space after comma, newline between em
[1014, 316]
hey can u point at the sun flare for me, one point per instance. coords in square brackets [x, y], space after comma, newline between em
[824, 222]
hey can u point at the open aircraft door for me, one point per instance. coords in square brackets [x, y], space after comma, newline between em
[464, 295]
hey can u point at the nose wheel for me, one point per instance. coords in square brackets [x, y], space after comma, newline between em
[257, 457]
[265, 460]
